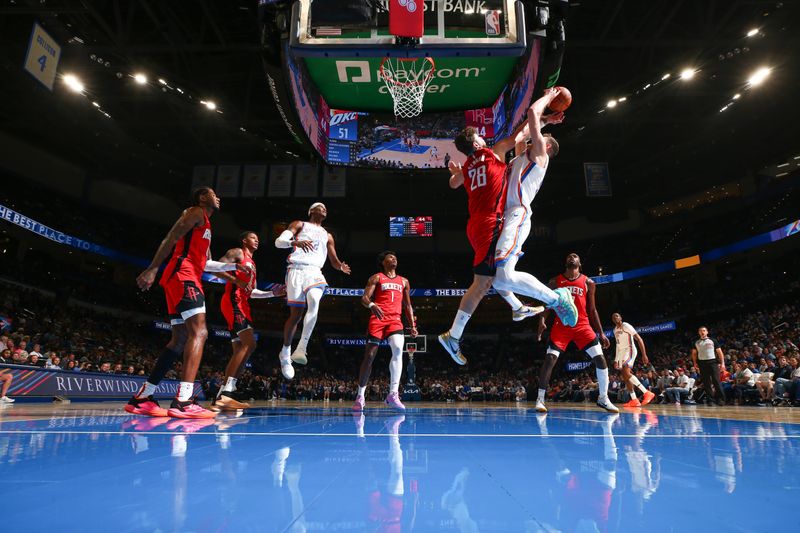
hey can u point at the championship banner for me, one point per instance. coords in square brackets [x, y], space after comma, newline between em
[280, 180]
[228, 181]
[203, 176]
[598, 179]
[32, 382]
[41, 60]
[254, 181]
[306, 181]
[334, 182]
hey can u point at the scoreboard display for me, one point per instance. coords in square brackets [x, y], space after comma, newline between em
[410, 226]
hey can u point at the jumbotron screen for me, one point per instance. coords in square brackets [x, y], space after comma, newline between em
[410, 226]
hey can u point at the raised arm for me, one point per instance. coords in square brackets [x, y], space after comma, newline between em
[594, 316]
[334, 259]
[538, 146]
[408, 308]
[366, 298]
[189, 219]
[456, 175]
[288, 238]
[503, 146]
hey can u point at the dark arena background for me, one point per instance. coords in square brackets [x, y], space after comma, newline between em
[153, 378]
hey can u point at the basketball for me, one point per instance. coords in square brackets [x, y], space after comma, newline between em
[562, 101]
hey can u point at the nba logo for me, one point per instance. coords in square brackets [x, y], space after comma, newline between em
[493, 22]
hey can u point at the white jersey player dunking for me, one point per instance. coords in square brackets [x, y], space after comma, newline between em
[525, 176]
[305, 284]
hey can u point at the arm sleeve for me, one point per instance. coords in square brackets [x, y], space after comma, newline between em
[257, 293]
[284, 240]
[219, 266]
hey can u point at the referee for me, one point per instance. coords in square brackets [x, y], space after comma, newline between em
[707, 355]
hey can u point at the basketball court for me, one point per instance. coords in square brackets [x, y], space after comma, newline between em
[288, 466]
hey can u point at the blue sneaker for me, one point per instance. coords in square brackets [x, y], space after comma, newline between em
[565, 307]
[453, 347]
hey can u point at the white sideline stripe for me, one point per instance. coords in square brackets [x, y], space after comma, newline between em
[443, 435]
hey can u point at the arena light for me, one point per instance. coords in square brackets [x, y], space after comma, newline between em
[752, 32]
[140, 78]
[210, 104]
[665, 76]
[737, 96]
[74, 84]
[611, 104]
[162, 81]
[758, 77]
[687, 74]
[623, 99]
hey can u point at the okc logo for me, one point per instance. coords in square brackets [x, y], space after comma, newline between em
[411, 5]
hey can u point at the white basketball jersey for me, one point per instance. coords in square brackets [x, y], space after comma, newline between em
[525, 179]
[317, 256]
[624, 337]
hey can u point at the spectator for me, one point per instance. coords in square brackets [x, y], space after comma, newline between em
[743, 381]
[783, 379]
[35, 361]
[680, 389]
[35, 350]
[54, 363]
[105, 368]
[6, 357]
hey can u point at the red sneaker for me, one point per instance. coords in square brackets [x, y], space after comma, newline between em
[648, 397]
[145, 406]
[633, 402]
[189, 409]
[189, 425]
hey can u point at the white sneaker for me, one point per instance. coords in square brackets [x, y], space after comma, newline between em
[299, 355]
[526, 311]
[6, 399]
[606, 404]
[540, 407]
[286, 367]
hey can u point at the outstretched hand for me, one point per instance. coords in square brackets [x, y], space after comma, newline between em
[553, 118]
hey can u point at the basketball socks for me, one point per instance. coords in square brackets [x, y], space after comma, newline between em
[637, 384]
[286, 351]
[361, 391]
[163, 364]
[185, 390]
[511, 299]
[460, 322]
[540, 398]
[230, 385]
[602, 382]
[633, 394]
[396, 362]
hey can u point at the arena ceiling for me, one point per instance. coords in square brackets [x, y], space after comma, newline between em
[664, 140]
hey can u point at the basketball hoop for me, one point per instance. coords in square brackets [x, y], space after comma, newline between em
[406, 80]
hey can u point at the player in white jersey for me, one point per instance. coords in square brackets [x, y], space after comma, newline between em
[311, 246]
[625, 336]
[525, 176]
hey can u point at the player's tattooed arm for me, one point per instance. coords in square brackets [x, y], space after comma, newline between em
[190, 218]
[408, 308]
[456, 175]
[335, 262]
[234, 255]
[366, 298]
[594, 316]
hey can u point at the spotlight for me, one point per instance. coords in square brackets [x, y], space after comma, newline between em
[687, 74]
[611, 103]
[620, 100]
[140, 78]
[737, 96]
[752, 32]
[665, 76]
[209, 104]
[162, 81]
[758, 77]
[74, 84]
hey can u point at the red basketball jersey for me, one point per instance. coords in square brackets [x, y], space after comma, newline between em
[234, 293]
[484, 180]
[388, 296]
[579, 288]
[189, 256]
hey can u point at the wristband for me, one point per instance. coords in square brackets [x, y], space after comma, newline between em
[371, 305]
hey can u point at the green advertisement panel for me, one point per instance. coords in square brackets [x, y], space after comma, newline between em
[355, 84]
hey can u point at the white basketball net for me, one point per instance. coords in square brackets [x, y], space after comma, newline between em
[407, 79]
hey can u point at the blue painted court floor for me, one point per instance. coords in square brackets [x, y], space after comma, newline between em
[433, 469]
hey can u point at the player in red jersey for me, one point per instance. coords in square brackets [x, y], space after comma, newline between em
[189, 241]
[585, 334]
[386, 295]
[235, 307]
[484, 178]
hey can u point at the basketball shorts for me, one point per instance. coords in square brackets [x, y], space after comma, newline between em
[561, 336]
[380, 330]
[237, 317]
[483, 233]
[625, 359]
[299, 280]
[184, 299]
[516, 228]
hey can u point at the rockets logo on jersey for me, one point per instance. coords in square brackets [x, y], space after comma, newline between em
[577, 291]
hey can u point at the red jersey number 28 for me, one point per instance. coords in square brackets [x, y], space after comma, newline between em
[477, 177]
